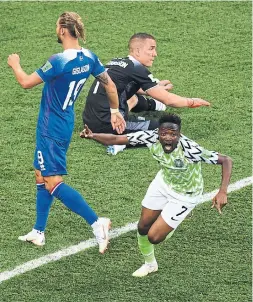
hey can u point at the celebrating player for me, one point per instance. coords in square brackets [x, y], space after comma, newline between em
[64, 75]
[177, 187]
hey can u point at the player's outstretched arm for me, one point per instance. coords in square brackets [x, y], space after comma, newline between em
[220, 199]
[25, 80]
[164, 84]
[173, 100]
[117, 120]
[104, 138]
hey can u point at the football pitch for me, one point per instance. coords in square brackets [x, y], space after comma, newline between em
[205, 50]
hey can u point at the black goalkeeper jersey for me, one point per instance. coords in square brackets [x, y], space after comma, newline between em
[129, 75]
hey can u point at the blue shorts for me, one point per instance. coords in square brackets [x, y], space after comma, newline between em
[50, 156]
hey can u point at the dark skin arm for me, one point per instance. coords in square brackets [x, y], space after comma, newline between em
[104, 138]
[220, 199]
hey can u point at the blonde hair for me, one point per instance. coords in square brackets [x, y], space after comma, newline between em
[73, 22]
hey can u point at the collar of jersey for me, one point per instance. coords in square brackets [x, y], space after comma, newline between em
[133, 59]
[72, 50]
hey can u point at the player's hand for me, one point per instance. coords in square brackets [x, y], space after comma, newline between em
[166, 84]
[13, 60]
[118, 122]
[86, 133]
[219, 201]
[196, 102]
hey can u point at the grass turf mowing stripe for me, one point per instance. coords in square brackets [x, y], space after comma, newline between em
[30, 265]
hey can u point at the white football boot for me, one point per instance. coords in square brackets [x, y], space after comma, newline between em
[101, 231]
[36, 237]
[145, 269]
[114, 149]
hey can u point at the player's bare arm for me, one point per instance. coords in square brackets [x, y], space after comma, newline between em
[25, 80]
[173, 100]
[104, 138]
[110, 89]
[165, 84]
[220, 199]
[103, 78]
[117, 120]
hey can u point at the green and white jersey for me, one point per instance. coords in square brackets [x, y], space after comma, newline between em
[181, 169]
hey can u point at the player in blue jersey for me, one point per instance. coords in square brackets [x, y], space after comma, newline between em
[64, 75]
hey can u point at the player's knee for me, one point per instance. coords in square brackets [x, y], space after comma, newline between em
[155, 237]
[140, 105]
[132, 102]
[52, 181]
[47, 186]
[143, 228]
[39, 178]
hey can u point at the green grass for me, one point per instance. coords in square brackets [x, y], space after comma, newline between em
[206, 260]
[205, 50]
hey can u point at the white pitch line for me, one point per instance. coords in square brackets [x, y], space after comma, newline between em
[84, 245]
[123, 0]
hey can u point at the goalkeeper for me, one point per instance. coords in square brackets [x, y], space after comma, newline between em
[132, 78]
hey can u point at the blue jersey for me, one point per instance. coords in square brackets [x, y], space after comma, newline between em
[64, 75]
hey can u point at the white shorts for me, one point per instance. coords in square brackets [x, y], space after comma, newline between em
[175, 207]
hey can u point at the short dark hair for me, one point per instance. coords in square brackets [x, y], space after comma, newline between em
[140, 36]
[170, 118]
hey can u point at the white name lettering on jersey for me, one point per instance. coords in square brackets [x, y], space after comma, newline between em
[78, 70]
[118, 63]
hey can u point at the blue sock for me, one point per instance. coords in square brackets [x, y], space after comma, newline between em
[43, 204]
[75, 202]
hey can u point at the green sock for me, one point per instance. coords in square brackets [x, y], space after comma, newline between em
[146, 248]
[169, 235]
